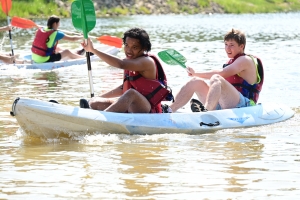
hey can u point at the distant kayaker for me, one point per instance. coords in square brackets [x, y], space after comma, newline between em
[142, 90]
[44, 47]
[236, 85]
[8, 58]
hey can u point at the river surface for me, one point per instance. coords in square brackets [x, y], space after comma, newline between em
[248, 163]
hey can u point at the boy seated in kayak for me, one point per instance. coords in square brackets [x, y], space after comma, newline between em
[237, 84]
[8, 58]
[141, 91]
[44, 47]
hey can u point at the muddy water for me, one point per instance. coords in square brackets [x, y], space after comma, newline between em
[251, 163]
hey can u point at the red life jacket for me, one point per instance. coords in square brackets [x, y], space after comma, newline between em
[154, 90]
[246, 89]
[39, 45]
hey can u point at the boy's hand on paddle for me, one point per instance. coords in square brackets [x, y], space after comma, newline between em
[9, 28]
[6, 28]
[190, 71]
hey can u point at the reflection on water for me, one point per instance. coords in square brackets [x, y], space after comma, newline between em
[228, 164]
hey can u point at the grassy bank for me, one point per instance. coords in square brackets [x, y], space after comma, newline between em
[35, 9]
[45, 8]
[259, 6]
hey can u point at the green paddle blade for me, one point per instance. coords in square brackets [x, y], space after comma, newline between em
[83, 16]
[172, 57]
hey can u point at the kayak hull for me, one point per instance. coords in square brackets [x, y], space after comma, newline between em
[50, 120]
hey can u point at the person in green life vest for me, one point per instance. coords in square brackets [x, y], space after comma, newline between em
[44, 47]
[8, 58]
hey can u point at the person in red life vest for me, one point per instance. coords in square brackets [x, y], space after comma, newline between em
[44, 47]
[236, 85]
[8, 58]
[143, 87]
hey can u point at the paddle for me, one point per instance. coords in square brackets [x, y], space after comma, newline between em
[172, 57]
[84, 19]
[23, 23]
[6, 6]
[105, 39]
[111, 40]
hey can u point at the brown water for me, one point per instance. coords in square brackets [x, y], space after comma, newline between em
[250, 163]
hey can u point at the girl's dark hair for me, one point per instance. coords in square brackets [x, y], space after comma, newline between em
[237, 36]
[141, 35]
[53, 19]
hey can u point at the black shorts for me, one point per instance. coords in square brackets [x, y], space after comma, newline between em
[54, 57]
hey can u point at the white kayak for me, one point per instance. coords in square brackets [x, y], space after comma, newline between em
[46, 119]
[59, 64]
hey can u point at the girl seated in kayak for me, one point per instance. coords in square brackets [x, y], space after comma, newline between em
[44, 47]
